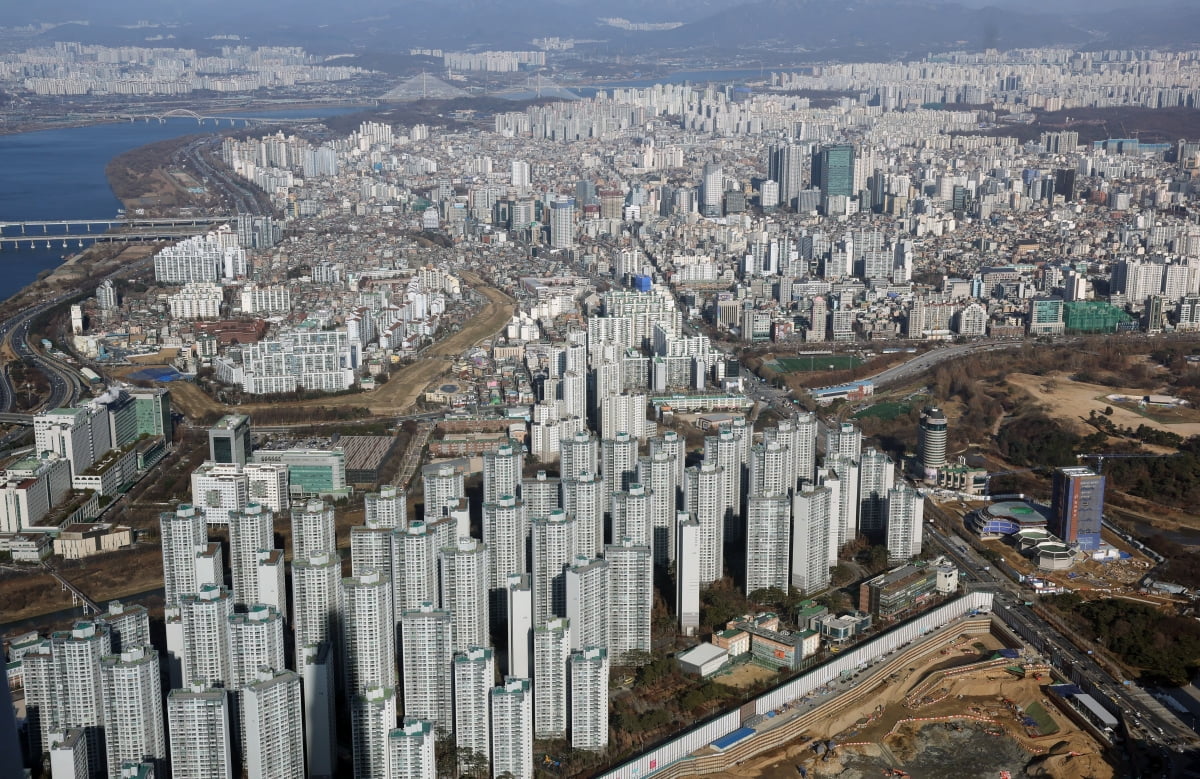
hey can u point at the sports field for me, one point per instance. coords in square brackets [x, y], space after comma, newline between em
[815, 362]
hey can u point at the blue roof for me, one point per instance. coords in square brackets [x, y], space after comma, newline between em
[724, 742]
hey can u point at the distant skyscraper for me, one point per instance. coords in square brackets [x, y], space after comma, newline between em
[474, 675]
[512, 729]
[1076, 507]
[713, 189]
[837, 170]
[589, 699]
[562, 222]
[786, 166]
[198, 728]
[551, 650]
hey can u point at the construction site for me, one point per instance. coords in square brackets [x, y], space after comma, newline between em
[969, 706]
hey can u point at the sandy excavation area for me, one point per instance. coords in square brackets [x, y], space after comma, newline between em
[1072, 401]
[955, 715]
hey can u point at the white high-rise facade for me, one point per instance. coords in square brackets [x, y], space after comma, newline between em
[618, 466]
[387, 508]
[553, 546]
[631, 514]
[687, 573]
[133, 714]
[256, 641]
[368, 635]
[414, 563]
[198, 733]
[876, 475]
[218, 489]
[587, 602]
[183, 533]
[474, 676]
[519, 613]
[583, 500]
[768, 527]
[372, 719]
[502, 470]
[658, 474]
[443, 486]
[317, 601]
[313, 529]
[770, 466]
[551, 650]
[504, 532]
[272, 727]
[706, 502]
[464, 593]
[630, 599]
[412, 750]
[250, 529]
[562, 222]
[512, 729]
[426, 635]
[813, 517]
[206, 643]
[579, 455]
[589, 698]
[905, 513]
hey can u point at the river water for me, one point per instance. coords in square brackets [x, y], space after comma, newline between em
[59, 174]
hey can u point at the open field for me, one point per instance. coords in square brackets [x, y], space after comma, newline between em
[745, 675]
[1071, 402]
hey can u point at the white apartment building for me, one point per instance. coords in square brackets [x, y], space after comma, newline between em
[905, 513]
[133, 714]
[372, 719]
[414, 561]
[687, 573]
[630, 598]
[814, 513]
[256, 641]
[250, 529]
[502, 471]
[203, 258]
[474, 672]
[387, 508]
[207, 648]
[518, 596]
[553, 546]
[582, 499]
[219, 489]
[198, 733]
[706, 501]
[411, 750]
[504, 533]
[589, 699]
[265, 299]
[196, 300]
[368, 636]
[464, 593]
[551, 650]
[587, 601]
[768, 530]
[312, 529]
[183, 533]
[426, 638]
[512, 729]
[272, 725]
[308, 359]
[316, 599]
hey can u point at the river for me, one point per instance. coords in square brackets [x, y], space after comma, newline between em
[59, 174]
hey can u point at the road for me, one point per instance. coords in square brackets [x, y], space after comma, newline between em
[1147, 723]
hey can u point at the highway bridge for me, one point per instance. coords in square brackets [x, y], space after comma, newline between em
[217, 119]
[66, 242]
[73, 226]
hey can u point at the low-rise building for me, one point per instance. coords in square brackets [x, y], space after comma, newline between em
[80, 540]
[703, 660]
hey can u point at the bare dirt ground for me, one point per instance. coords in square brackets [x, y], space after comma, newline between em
[967, 726]
[1069, 401]
[745, 675]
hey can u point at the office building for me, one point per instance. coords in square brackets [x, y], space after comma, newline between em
[368, 635]
[1077, 506]
[272, 727]
[229, 440]
[311, 473]
[81, 436]
[426, 637]
[474, 672]
[836, 166]
[551, 650]
[589, 698]
[412, 750]
[372, 719]
[713, 190]
[630, 599]
[269, 485]
[768, 527]
[931, 442]
[198, 733]
[512, 729]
